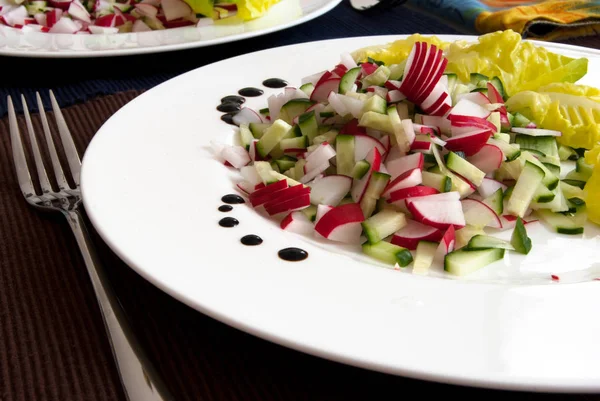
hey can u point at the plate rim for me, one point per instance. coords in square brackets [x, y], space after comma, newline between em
[325, 7]
[533, 385]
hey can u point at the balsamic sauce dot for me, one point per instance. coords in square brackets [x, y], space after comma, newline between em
[225, 208]
[228, 107]
[251, 240]
[232, 199]
[228, 222]
[233, 99]
[293, 254]
[228, 117]
[275, 83]
[250, 92]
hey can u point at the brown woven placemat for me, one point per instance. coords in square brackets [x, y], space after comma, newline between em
[52, 341]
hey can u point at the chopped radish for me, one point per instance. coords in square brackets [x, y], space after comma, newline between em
[342, 223]
[413, 232]
[488, 159]
[297, 222]
[330, 190]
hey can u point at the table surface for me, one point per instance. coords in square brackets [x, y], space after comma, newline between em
[52, 342]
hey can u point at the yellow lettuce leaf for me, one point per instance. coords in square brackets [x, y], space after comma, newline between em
[520, 65]
[561, 108]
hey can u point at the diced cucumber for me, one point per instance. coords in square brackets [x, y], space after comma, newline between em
[543, 194]
[464, 168]
[388, 253]
[377, 121]
[487, 242]
[378, 77]
[567, 153]
[375, 104]
[258, 129]
[271, 137]
[299, 142]
[499, 86]
[584, 169]
[360, 169]
[441, 182]
[424, 256]
[348, 80]
[546, 145]
[344, 147]
[308, 125]
[285, 163]
[382, 225]
[496, 201]
[310, 212]
[511, 152]
[519, 239]
[397, 70]
[293, 108]
[479, 80]
[307, 88]
[529, 180]
[520, 121]
[550, 180]
[329, 137]
[377, 184]
[246, 137]
[463, 261]
[564, 224]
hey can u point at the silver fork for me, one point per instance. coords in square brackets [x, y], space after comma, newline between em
[140, 380]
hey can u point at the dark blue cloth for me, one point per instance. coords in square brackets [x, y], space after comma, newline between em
[76, 80]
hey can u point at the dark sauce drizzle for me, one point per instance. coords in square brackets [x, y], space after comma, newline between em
[233, 99]
[233, 199]
[293, 254]
[251, 240]
[225, 208]
[228, 117]
[275, 83]
[228, 222]
[250, 92]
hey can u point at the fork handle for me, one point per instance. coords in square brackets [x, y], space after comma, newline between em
[139, 378]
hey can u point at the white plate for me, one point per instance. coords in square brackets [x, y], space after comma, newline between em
[152, 188]
[285, 14]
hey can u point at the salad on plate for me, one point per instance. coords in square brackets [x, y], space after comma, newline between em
[122, 16]
[422, 152]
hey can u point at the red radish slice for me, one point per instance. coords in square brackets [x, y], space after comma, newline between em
[342, 223]
[478, 214]
[465, 107]
[447, 243]
[330, 190]
[488, 187]
[408, 179]
[246, 116]
[237, 156]
[413, 232]
[470, 142]
[360, 186]
[413, 192]
[323, 89]
[488, 159]
[536, 131]
[297, 222]
[493, 94]
[438, 214]
[363, 144]
[299, 202]
[262, 195]
[476, 97]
